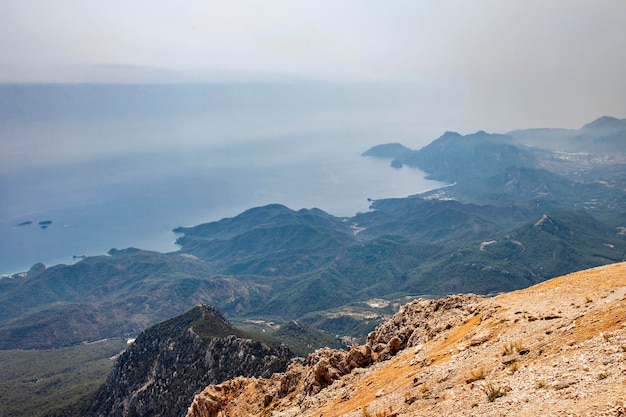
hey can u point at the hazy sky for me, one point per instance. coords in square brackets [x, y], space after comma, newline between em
[559, 62]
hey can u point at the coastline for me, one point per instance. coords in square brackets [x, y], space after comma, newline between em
[340, 185]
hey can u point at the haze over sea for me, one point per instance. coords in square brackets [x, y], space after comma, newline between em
[119, 166]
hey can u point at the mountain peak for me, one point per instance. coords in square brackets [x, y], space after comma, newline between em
[208, 322]
[448, 134]
[159, 374]
[606, 123]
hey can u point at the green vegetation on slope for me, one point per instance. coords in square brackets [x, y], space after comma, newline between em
[514, 216]
[34, 382]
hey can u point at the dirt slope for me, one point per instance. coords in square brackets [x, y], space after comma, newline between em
[555, 349]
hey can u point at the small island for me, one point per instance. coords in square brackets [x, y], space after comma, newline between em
[44, 224]
[26, 223]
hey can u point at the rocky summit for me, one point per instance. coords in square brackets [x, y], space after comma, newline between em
[159, 374]
[555, 349]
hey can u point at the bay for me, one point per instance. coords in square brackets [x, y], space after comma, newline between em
[129, 179]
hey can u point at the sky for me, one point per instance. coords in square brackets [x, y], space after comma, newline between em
[557, 63]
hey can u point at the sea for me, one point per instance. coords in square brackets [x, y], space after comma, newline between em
[88, 168]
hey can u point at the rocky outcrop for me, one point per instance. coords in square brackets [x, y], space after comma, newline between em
[555, 349]
[299, 382]
[417, 322]
[159, 374]
[421, 321]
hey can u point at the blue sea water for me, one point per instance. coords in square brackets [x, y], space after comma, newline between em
[128, 179]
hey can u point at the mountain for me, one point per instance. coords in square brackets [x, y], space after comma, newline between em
[513, 216]
[603, 135]
[270, 240]
[405, 247]
[556, 348]
[162, 370]
[605, 124]
[110, 296]
[388, 150]
[523, 169]
[438, 221]
[549, 138]
[549, 246]
[271, 215]
[453, 157]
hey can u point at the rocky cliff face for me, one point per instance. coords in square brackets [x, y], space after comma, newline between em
[159, 374]
[555, 349]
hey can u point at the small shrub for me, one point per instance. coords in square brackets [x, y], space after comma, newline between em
[493, 392]
[409, 398]
[603, 375]
[541, 384]
[512, 347]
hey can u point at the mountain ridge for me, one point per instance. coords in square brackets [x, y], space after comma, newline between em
[161, 371]
[556, 348]
[604, 134]
[407, 246]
